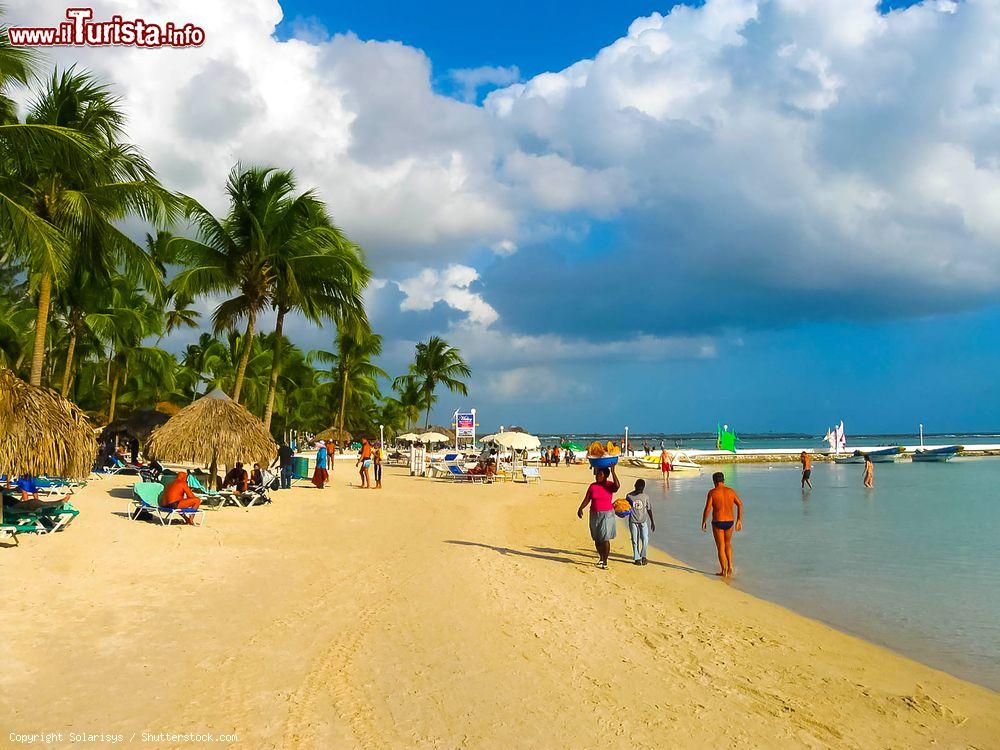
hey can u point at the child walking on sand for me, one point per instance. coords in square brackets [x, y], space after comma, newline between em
[640, 522]
[721, 500]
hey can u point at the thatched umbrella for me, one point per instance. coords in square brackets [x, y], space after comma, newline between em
[213, 430]
[139, 424]
[41, 432]
[341, 437]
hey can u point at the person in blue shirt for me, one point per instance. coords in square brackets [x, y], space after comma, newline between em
[321, 475]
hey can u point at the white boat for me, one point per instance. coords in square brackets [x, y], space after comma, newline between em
[680, 462]
[878, 456]
[939, 455]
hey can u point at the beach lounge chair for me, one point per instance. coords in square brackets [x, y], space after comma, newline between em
[531, 474]
[257, 494]
[13, 527]
[214, 498]
[146, 502]
[44, 520]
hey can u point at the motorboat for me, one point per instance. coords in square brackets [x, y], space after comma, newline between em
[939, 455]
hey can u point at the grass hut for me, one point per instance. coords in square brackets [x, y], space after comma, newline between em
[42, 433]
[340, 437]
[213, 430]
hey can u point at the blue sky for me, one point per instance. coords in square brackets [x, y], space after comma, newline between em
[768, 213]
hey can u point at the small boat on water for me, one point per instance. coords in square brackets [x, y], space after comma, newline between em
[878, 456]
[939, 455]
[680, 462]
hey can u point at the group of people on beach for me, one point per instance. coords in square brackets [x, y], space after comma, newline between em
[723, 505]
[369, 463]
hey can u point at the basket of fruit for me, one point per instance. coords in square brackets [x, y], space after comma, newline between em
[623, 508]
[602, 455]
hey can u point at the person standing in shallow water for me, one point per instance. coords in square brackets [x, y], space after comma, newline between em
[869, 476]
[600, 497]
[720, 502]
[806, 460]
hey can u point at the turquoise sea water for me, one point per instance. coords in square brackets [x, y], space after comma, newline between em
[913, 564]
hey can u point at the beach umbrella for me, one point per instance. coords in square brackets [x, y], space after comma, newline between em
[139, 424]
[341, 437]
[41, 432]
[431, 437]
[573, 447]
[213, 430]
[407, 437]
[519, 441]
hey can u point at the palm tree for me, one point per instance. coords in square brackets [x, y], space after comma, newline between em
[320, 274]
[352, 367]
[435, 363]
[78, 197]
[258, 250]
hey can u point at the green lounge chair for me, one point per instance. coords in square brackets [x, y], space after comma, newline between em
[146, 502]
[216, 499]
[46, 520]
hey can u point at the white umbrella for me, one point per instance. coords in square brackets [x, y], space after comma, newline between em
[520, 441]
[432, 437]
[407, 437]
[488, 439]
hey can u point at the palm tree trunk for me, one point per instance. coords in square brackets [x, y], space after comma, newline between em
[68, 369]
[114, 399]
[343, 405]
[41, 323]
[245, 356]
[272, 386]
[427, 419]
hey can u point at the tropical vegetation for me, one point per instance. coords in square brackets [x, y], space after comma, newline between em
[92, 309]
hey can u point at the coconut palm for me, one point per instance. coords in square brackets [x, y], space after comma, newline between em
[268, 235]
[352, 367]
[321, 275]
[79, 197]
[435, 363]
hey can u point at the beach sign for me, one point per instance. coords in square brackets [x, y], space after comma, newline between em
[465, 425]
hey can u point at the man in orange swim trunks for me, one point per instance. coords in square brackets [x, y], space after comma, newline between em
[721, 500]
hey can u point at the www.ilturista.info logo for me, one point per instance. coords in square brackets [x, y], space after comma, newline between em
[81, 31]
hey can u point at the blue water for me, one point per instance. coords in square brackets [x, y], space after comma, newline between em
[704, 441]
[913, 564]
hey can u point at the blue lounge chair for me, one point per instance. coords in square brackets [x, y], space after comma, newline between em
[531, 474]
[146, 502]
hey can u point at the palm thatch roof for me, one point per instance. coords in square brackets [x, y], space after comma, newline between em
[214, 429]
[41, 432]
[139, 424]
[343, 437]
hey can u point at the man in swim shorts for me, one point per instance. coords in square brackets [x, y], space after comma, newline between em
[721, 500]
[806, 460]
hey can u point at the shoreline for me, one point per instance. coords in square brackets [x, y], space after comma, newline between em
[435, 614]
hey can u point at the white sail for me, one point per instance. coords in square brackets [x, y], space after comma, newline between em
[841, 438]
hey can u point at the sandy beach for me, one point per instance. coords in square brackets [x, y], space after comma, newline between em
[431, 615]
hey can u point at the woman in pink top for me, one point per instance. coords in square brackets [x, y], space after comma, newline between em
[601, 497]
